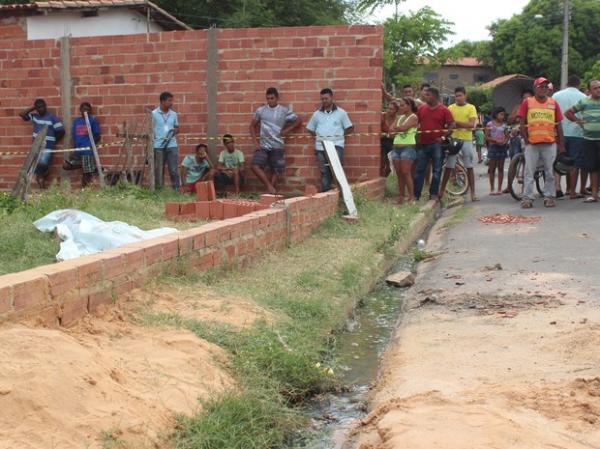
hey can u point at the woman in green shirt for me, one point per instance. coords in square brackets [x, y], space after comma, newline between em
[405, 153]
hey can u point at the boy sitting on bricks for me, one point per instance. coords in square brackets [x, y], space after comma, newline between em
[196, 168]
[230, 169]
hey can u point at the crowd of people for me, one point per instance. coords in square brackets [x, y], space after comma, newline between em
[414, 130]
[413, 133]
[270, 125]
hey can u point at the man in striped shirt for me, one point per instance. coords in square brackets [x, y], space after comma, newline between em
[39, 116]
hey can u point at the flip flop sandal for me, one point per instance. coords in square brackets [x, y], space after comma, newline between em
[526, 205]
[549, 202]
[590, 199]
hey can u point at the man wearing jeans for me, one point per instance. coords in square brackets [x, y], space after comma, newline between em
[332, 123]
[541, 129]
[435, 121]
[166, 127]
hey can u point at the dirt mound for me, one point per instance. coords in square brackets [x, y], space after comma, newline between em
[103, 382]
[189, 303]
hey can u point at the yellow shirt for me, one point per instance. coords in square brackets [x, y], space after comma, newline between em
[463, 114]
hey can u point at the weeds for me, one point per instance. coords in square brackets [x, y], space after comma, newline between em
[312, 287]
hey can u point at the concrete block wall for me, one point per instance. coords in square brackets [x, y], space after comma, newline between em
[122, 77]
[62, 293]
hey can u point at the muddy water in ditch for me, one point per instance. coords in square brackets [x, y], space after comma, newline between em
[357, 353]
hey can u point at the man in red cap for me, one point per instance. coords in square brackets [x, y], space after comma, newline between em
[541, 129]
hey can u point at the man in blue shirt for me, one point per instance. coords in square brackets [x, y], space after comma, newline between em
[81, 139]
[330, 122]
[40, 117]
[574, 141]
[166, 127]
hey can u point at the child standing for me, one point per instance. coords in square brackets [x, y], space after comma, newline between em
[479, 141]
[496, 135]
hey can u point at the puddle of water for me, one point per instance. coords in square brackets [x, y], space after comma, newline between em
[357, 352]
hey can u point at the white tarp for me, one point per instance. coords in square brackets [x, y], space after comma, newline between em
[81, 233]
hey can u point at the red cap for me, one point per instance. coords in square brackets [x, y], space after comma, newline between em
[539, 81]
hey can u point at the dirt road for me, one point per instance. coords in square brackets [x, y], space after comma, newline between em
[499, 346]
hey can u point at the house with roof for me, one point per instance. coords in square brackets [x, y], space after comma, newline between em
[466, 71]
[54, 19]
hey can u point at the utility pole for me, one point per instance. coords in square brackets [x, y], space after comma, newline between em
[564, 63]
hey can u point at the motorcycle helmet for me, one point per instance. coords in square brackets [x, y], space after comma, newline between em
[563, 164]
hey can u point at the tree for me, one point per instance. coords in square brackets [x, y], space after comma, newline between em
[371, 5]
[476, 49]
[593, 73]
[531, 42]
[411, 40]
[257, 13]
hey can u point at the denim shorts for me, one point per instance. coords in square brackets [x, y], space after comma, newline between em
[497, 152]
[404, 154]
[575, 149]
[270, 158]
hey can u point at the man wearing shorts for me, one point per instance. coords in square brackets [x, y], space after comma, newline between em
[540, 125]
[231, 165]
[589, 108]
[465, 117]
[272, 122]
[574, 142]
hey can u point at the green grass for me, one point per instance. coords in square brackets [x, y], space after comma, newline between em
[312, 288]
[22, 246]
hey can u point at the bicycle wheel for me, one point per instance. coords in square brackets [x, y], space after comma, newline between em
[458, 183]
[540, 180]
[516, 176]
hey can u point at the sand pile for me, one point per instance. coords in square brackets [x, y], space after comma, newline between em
[103, 379]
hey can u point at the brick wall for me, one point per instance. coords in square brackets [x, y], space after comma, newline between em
[62, 293]
[123, 75]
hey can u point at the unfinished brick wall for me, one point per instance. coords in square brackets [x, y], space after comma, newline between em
[62, 293]
[123, 75]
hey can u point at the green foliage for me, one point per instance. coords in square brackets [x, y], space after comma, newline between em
[476, 49]
[255, 420]
[530, 45]
[258, 13]
[593, 73]
[481, 98]
[410, 39]
[371, 5]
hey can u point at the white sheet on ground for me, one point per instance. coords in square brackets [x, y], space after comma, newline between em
[81, 233]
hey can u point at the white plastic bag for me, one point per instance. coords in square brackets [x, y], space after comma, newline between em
[81, 233]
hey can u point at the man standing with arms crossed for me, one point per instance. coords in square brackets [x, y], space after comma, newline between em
[273, 122]
[465, 117]
[435, 122]
[166, 127]
[541, 129]
[330, 122]
[566, 99]
[589, 108]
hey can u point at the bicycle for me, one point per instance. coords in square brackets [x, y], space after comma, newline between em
[516, 177]
[458, 184]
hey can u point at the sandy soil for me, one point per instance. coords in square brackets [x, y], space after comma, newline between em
[106, 379]
[489, 358]
[235, 311]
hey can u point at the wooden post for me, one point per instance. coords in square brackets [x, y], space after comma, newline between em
[94, 149]
[150, 152]
[66, 94]
[22, 185]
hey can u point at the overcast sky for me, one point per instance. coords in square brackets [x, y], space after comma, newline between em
[470, 17]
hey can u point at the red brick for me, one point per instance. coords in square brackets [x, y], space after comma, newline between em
[171, 210]
[310, 190]
[202, 191]
[96, 299]
[187, 209]
[268, 199]
[230, 210]
[29, 290]
[72, 309]
[203, 210]
[216, 210]
[212, 194]
[62, 277]
[90, 270]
